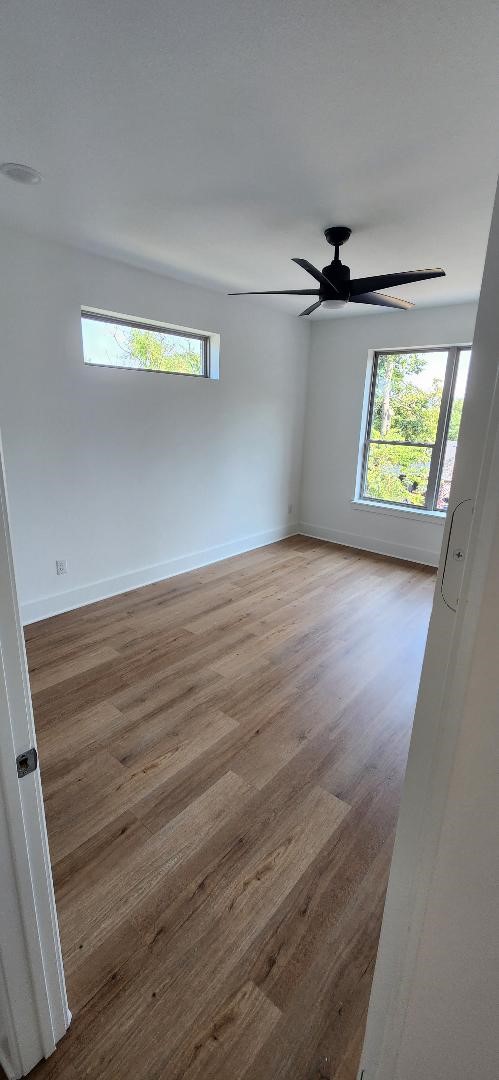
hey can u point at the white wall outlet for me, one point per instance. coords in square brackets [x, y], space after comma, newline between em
[61, 566]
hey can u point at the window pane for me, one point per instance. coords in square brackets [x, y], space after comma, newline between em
[397, 474]
[453, 432]
[114, 345]
[407, 396]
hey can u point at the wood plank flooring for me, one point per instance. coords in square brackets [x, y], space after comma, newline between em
[222, 756]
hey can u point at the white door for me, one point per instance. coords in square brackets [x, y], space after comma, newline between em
[474, 498]
[33, 1008]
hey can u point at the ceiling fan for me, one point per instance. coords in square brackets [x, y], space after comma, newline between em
[335, 287]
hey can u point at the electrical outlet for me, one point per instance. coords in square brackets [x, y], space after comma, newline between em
[61, 566]
[290, 508]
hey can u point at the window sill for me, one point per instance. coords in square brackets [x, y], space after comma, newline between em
[437, 517]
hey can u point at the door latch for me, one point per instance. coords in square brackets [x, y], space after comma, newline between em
[26, 762]
[457, 543]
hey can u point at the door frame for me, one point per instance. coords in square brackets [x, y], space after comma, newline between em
[437, 721]
[33, 1001]
[32, 984]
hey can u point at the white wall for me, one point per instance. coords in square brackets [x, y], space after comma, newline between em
[337, 378]
[131, 475]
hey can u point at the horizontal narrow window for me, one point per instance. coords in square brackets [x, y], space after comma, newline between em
[118, 342]
[415, 405]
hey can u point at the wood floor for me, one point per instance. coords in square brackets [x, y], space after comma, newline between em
[222, 756]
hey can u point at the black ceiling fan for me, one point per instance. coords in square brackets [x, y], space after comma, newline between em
[335, 287]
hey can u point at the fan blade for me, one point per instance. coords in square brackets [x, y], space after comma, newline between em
[317, 274]
[387, 281]
[379, 300]
[278, 292]
[309, 310]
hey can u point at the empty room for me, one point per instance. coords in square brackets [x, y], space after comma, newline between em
[246, 461]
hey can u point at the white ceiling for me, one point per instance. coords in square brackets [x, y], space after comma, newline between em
[215, 139]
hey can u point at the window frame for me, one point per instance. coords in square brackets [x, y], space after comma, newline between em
[160, 328]
[437, 448]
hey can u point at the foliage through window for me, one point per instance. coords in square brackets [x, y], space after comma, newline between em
[415, 407]
[109, 341]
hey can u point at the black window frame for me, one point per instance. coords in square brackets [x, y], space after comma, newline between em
[160, 328]
[438, 447]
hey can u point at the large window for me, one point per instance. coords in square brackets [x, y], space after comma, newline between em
[112, 341]
[415, 405]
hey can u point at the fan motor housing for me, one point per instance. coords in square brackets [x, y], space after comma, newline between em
[339, 275]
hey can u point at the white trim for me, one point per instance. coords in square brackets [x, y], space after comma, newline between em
[46, 606]
[375, 545]
[434, 517]
[407, 899]
[437, 721]
[30, 948]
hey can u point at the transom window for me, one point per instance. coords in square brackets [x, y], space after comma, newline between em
[118, 342]
[415, 404]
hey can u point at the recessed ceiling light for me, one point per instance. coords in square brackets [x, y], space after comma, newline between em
[23, 174]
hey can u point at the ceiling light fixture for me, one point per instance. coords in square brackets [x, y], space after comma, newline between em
[334, 303]
[22, 174]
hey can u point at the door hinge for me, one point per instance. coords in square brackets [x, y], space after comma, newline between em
[26, 762]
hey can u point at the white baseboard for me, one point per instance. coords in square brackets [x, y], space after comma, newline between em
[101, 590]
[56, 604]
[375, 545]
